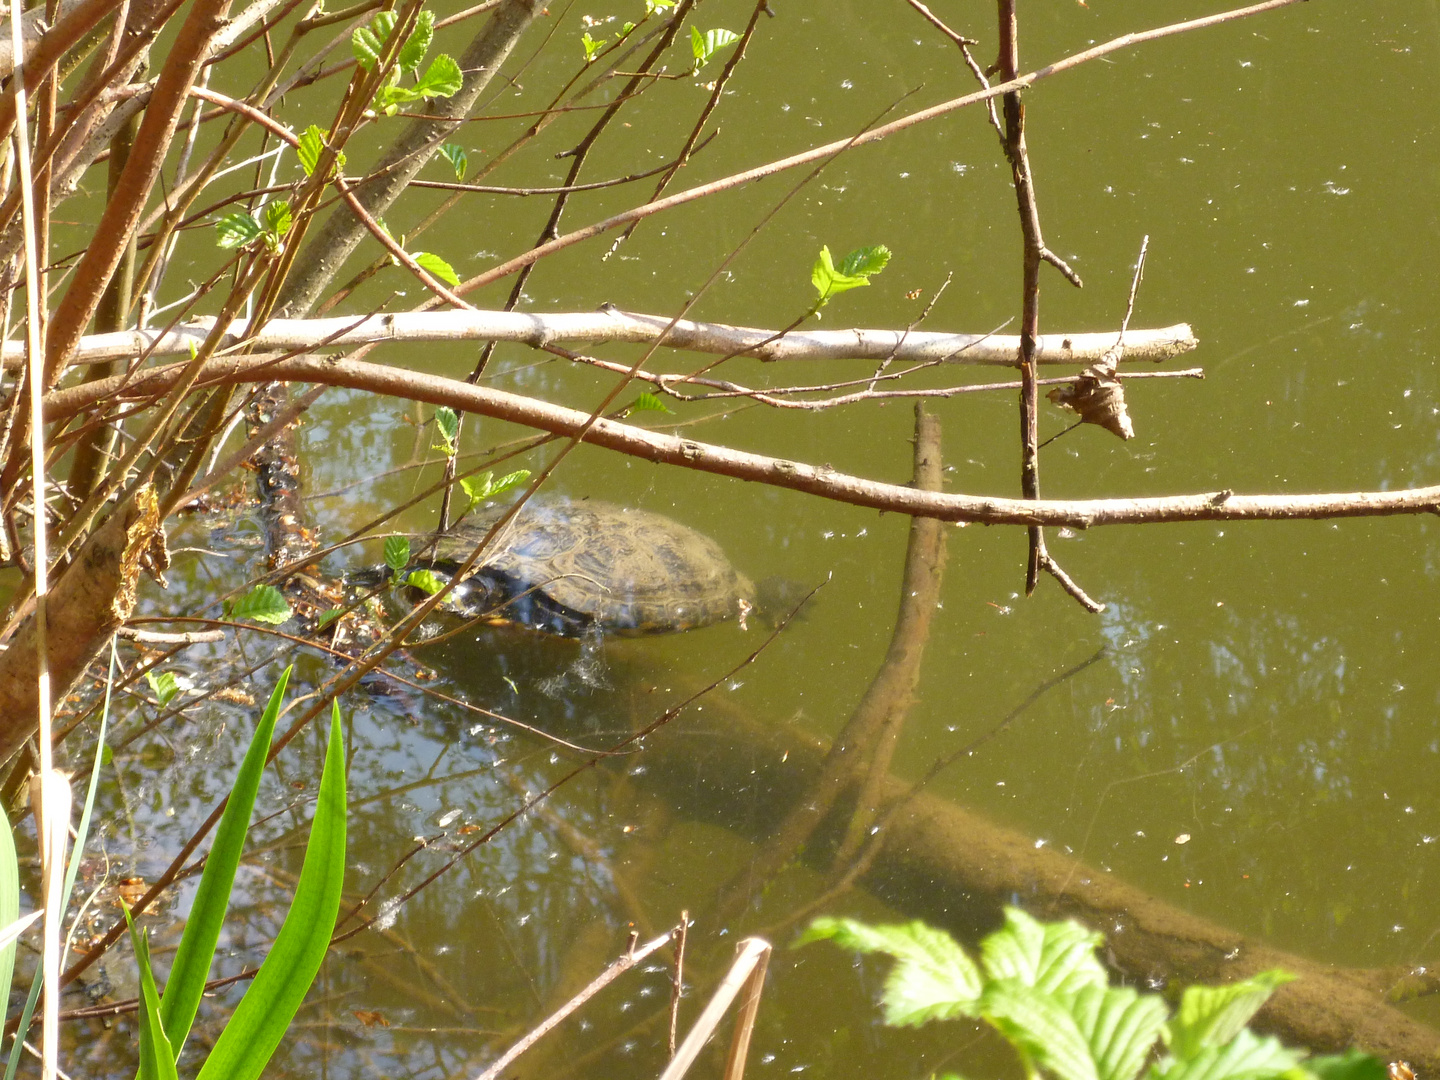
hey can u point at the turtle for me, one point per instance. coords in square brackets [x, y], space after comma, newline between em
[574, 567]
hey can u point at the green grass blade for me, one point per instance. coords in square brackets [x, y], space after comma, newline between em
[26, 1015]
[9, 903]
[265, 1012]
[157, 1060]
[71, 870]
[82, 832]
[191, 968]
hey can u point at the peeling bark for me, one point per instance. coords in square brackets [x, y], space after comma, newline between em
[92, 598]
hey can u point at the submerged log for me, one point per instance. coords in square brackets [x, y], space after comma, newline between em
[956, 869]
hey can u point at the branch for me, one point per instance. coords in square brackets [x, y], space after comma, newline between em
[610, 324]
[778, 472]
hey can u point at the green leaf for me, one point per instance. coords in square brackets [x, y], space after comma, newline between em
[704, 45]
[264, 1013]
[652, 6]
[1351, 1065]
[1119, 1025]
[933, 979]
[1213, 1015]
[592, 46]
[1055, 957]
[264, 604]
[328, 617]
[1246, 1057]
[397, 552]
[853, 273]
[441, 79]
[157, 1057]
[312, 144]
[458, 159]
[425, 581]
[418, 43]
[275, 217]
[237, 229]
[436, 267]
[369, 41]
[448, 425]
[648, 402]
[193, 958]
[480, 488]
[1041, 1026]
[865, 261]
[163, 686]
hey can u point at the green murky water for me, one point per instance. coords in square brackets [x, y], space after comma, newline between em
[1271, 689]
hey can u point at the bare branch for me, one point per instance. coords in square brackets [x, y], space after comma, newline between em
[611, 325]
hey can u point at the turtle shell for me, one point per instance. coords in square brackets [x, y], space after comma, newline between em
[595, 564]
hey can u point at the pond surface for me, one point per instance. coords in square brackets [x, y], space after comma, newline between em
[1270, 690]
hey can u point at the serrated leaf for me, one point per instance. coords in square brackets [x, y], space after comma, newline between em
[592, 46]
[1246, 1057]
[1056, 957]
[436, 267]
[447, 424]
[163, 686]
[1041, 1025]
[1213, 1015]
[933, 979]
[862, 262]
[275, 217]
[457, 157]
[312, 144]
[418, 43]
[368, 42]
[425, 581]
[264, 604]
[1351, 1065]
[397, 552]
[648, 402]
[441, 79]
[365, 45]
[237, 229]
[1120, 1026]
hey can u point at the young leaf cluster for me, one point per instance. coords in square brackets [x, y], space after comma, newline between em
[1042, 987]
[241, 229]
[703, 46]
[485, 486]
[447, 427]
[440, 80]
[312, 143]
[397, 559]
[854, 271]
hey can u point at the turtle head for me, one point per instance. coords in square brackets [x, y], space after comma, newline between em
[781, 599]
